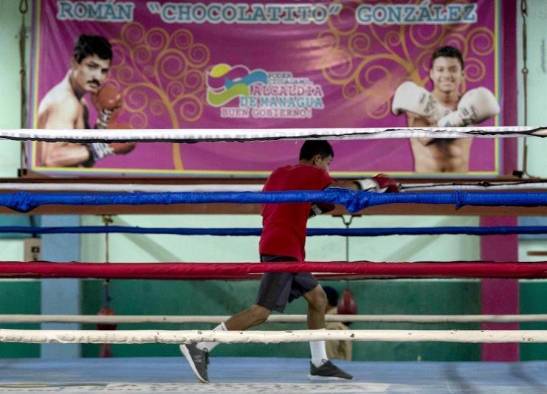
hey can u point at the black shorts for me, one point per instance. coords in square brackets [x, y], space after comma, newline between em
[277, 289]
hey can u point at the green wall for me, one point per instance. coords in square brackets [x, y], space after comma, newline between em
[19, 297]
[223, 298]
[131, 297]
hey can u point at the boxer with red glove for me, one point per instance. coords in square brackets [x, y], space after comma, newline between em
[107, 100]
[64, 106]
[283, 239]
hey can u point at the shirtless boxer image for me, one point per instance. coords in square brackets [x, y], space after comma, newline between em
[445, 106]
[64, 107]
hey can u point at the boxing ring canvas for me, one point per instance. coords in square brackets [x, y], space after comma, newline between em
[176, 72]
[268, 375]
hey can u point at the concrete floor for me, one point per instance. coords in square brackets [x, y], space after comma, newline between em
[267, 375]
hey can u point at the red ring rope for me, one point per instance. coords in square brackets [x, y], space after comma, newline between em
[459, 269]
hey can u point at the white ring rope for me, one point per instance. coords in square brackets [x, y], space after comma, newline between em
[182, 135]
[133, 187]
[427, 187]
[131, 319]
[111, 187]
[177, 337]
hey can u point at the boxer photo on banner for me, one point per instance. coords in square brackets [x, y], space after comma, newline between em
[63, 107]
[200, 65]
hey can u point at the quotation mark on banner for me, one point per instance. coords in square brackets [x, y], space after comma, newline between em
[334, 9]
[154, 7]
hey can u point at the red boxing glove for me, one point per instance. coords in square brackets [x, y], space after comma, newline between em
[380, 183]
[107, 100]
[106, 311]
[122, 148]
[386, 184]
[347, 304]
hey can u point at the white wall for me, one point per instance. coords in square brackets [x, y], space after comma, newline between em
[10, 20]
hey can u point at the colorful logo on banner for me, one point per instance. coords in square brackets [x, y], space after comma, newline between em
[261, 94]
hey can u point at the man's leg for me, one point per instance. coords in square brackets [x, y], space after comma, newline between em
[320, 366]
[247, 318]
[197, 354]
[241, 321]
[317, 306]
[273, 294]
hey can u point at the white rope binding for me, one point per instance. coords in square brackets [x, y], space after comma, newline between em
[185, 135]
[135, 319]
[177, 337]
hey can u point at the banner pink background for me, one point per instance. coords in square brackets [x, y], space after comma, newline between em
[162, 70]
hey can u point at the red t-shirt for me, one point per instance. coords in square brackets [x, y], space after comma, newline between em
[284, 225]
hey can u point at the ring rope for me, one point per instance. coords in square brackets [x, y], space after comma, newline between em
[134, 187]
[346, 232]
[172, 271]
[136, 319]
[131, 187]
[215, 135]
[353, 200]
[535, 185]
[178, 337]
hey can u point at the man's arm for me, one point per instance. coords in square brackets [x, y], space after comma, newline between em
[379, 183]
[414, 120]
[63, 154]
[474, 107]
[345, 184]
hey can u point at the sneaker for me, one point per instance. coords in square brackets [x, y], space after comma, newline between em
[328, 371]
[198, 360]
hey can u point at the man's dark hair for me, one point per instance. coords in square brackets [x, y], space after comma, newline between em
[92, 45]
[447, 51]
[310, 148]
[332, 295]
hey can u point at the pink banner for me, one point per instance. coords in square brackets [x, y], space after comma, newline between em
[249, 64]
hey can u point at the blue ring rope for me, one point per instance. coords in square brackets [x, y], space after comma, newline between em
[352, 232]
[353, 200]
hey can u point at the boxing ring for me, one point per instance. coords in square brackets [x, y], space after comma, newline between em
[245, 374]
[254, 375]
